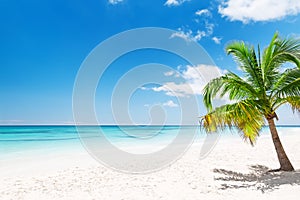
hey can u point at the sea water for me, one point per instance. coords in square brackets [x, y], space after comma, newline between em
[25, 140]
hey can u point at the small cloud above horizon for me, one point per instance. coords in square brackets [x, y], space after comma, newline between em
[171, 3]
[170, 104]
[190, 36]
[217, 40]
[203, 12]
[114, 2]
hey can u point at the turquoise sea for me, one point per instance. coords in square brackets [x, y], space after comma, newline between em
[25, 140]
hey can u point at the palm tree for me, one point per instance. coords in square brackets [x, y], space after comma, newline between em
[256, 97]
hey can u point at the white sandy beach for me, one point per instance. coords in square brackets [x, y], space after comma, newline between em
[233, 170]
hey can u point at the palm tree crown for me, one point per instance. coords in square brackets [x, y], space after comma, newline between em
[256, 96]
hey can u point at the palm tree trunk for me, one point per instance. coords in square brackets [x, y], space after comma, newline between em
[284, 161]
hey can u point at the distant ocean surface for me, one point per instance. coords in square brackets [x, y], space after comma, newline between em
[25, 140]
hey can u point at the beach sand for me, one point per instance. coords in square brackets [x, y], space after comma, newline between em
[233, 170]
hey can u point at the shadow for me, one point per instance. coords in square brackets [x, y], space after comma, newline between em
[259, 178]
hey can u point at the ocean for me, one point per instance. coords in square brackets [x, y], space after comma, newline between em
[18, 141]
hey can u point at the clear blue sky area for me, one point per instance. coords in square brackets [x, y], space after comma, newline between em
[43, 44]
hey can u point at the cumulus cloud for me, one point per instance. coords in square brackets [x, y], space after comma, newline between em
[170, 104]
[174, 2]
[196, 77]
[258, 10]
[203, 12]
[114, 2]
[217, 40]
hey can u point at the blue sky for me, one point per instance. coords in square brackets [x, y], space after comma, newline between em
[43, 44]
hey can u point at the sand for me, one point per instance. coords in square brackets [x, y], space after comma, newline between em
[233, 170]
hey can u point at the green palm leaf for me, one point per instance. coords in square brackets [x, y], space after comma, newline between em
[288, 84]
[247, 61]
[242, 115]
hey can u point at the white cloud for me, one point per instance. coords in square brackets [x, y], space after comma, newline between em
[199, 35]
[114, 2]
[209, 28]
[174, 89]
[169, 73]
[173, 73]
[174, 2]
[196, 35]
[144, 88]
[217, 40]
[190, 36]
[170, 104]
[203, 12]
[196, 77]
[258, 10]
[187, 36]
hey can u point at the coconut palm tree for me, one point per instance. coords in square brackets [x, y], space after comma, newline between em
[257, 95]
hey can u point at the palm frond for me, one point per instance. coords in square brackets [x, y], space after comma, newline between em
[268, 53]
[243, 115]
[278, 52]
[210, 91]
[247, 61]
[287, 50]
[230, 83]
[288, 84]
[237, 88]
[293, 101]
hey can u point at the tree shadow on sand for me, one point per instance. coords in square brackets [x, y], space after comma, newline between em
[259, 178]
